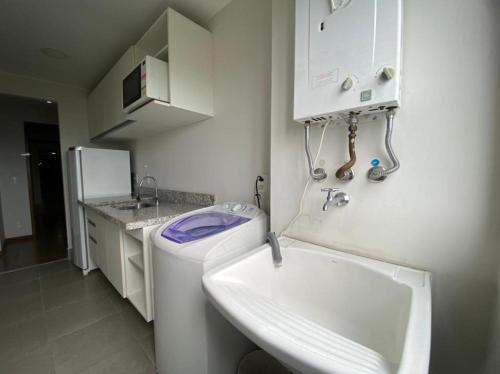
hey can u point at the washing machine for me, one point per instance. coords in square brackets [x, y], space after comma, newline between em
[191, 337]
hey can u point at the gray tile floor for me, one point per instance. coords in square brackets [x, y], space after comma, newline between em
[55, 320]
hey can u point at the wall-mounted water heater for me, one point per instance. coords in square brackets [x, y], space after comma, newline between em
[347, 64]
[347, 58]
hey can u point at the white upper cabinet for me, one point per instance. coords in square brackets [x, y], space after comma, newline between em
[187, 49]
[105, 101]
[190, 65]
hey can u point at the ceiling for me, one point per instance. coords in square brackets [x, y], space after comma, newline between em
[93, 33]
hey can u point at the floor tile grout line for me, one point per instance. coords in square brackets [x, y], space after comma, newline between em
[113, 351]
[45, 312]
[46, 326]
[86, 298]
[38, 277]
[84, 327]
[146, 353]
[139, 340]
[49, 343]
[41, 296]
[33, 266]
[52, 342]
[139, 343]
[19, 282]
[52, 358]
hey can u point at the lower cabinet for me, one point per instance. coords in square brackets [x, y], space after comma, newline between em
[105, 241]
[124, 257]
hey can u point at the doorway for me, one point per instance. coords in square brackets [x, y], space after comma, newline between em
[40, 161]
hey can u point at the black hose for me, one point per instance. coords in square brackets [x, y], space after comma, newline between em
[257, 194]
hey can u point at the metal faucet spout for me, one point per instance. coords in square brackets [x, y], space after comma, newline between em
[275, 248]
[325, 206]
[139, 194]
[340, 198]
[329, 197]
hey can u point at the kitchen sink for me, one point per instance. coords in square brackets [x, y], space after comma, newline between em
[326, 311]
[133, 205]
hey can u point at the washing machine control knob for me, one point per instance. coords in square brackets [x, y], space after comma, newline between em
[238, 208]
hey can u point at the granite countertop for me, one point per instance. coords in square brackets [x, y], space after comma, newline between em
[170, 206]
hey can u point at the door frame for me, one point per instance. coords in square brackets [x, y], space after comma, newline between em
[27, 156]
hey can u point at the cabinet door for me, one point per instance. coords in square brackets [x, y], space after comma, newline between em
[105, 101]
[114, 256]
[190, 65]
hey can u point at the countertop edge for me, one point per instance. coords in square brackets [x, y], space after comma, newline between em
[140, 223]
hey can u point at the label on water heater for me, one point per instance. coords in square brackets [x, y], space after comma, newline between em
[325, 78]
[365, 95]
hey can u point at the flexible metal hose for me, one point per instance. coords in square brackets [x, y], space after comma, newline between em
[318, 174]
[388, 144]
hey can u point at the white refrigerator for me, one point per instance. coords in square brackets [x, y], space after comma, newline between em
[93, 173]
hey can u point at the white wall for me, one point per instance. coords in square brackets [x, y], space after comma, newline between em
[14, 111]
[223, 155]
[72, 108]
[441, 210]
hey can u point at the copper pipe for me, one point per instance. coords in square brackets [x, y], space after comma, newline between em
[345, 172]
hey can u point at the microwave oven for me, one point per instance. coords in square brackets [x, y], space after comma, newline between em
[147, 81]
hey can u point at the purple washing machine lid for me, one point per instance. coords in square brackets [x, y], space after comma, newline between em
[202, 225]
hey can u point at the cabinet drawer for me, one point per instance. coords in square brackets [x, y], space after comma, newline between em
[93, 249]
[92, 227]
[92, 222]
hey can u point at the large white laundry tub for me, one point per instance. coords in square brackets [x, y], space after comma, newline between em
[326, 311]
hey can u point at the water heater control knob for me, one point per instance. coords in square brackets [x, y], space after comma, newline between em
[347, 84]
[388, 73]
